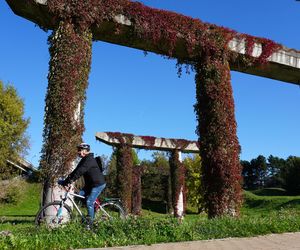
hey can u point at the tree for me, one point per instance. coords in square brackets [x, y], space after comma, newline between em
[260, 164]
[155, 178]
[248, 175]
[277, 172]
[255, 172]
[292, 183]
[193, 181]
[13, 140]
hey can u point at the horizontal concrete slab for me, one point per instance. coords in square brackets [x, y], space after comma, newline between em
[148, 142]
[283, 65]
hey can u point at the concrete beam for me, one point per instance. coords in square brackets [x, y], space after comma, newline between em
[142, 142]
[23, 165]
[283, 65]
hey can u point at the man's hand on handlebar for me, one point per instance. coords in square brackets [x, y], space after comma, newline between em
[63, 183]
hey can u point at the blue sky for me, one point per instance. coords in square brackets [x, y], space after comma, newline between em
[132, 93]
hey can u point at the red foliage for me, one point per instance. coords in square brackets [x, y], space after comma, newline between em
[219, 146]
[149, 140]
[84, 13]
[158, 26]
[268, 48]
[123, 138]
[137, 190]
[180, 143]
[69, 68]
[124, 176]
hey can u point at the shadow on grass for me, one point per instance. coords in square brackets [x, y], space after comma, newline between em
[155, 206]
[270, 192]
[17, 219]
[292, 203]
[270, 204]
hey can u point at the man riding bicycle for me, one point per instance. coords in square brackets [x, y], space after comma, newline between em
[93, 178]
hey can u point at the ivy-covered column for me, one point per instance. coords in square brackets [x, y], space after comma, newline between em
[219, 146]
[137, 190]
[177, 172]
[168, 195]
[124, 175]
[70, 59]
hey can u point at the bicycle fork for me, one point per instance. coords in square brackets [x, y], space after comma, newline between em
[59, 214]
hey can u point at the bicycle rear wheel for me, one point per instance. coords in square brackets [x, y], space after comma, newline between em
[110, 210]
[53, 215]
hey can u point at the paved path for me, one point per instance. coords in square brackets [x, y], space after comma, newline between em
[286, 241]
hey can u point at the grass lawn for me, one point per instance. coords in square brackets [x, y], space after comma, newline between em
[21, 214]
[261, 214]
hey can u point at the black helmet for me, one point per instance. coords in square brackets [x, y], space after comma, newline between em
[84, 146]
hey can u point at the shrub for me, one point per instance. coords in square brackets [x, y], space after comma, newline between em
[11, 191]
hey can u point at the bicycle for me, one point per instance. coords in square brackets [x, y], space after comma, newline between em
[57, 213]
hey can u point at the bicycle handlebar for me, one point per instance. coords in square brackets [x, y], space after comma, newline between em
[67, 187]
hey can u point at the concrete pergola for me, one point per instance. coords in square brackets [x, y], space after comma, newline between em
[162, 144]
[283, 65]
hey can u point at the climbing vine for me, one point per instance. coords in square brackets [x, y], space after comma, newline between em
[70, 53]
[84, 13]
[219, 146]
[137, 189]
[124, 175]
[165, 28]
[162, 28]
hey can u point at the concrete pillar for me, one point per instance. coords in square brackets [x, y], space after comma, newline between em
[177, 183]
[70, 56]
[180, 201]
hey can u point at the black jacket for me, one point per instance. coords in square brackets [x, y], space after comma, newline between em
[90, 170]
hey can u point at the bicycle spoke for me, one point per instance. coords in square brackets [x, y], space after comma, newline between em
[53, 215]
[110, 211]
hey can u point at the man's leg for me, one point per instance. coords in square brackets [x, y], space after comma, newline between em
[95, 192]
[82, 192]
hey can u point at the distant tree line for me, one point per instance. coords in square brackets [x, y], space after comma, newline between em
[273, 171]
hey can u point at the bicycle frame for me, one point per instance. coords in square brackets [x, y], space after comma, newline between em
[59, 211]
[68, 196]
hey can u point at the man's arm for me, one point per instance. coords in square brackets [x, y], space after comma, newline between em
[78, 171]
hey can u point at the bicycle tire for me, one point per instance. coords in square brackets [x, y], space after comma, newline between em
[113, 210]
[49, 217]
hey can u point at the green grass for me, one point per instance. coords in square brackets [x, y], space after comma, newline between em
[255, 204]
[21, 215]
[260, 215]
[28, 204]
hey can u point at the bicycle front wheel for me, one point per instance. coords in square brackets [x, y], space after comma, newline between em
[53, 215]
[110, 210]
